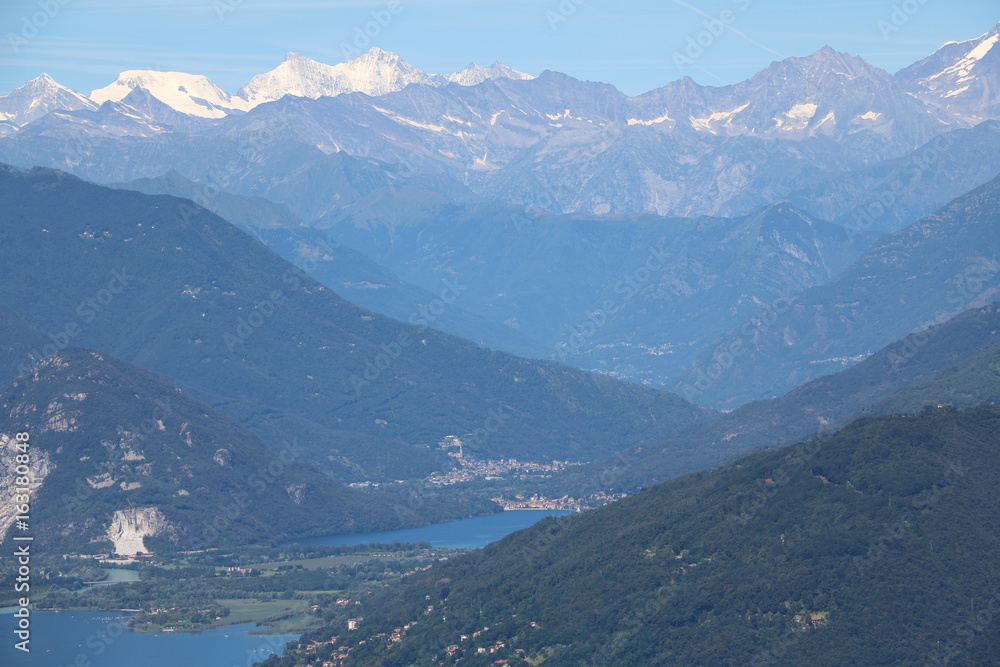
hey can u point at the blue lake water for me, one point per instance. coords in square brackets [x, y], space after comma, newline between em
[98, 639]
[465, 534]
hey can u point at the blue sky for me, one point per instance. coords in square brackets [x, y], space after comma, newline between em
[636, 45]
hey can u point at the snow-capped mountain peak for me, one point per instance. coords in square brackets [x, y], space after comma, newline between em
[961, 78]
[823, 65]
[474, 74]
[825, 94]
[41, 82]
[191, 94]
[37, 98]
[376, 72]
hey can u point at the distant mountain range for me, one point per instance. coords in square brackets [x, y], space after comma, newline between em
[960, 78]
[162, 283]
[634, 296]
[325, 277]
[410, 173]
[919, 276]
[377, 72]
[952, 363]
[550, 142]
[348, 272]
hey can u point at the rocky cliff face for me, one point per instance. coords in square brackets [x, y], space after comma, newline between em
[119, 456]
[129, 527]
[39, 467]
[961, 79]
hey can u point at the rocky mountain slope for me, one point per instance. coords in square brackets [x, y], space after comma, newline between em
[871, 546]
[635, 297]
[916, 277]
[960, 78]
[550, 142]
[123, 461]
[165, 284]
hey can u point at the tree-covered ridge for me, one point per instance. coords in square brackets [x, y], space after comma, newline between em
[346, 271]
[17, 340]
[934, 269]
[873, 546]
[171, 287]
[822, 405]
[115, 437]
[967, 383]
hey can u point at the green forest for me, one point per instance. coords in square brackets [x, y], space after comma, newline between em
[872, 546]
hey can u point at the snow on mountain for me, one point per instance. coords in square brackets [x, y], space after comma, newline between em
[474, 74]
[191, 94]
[37, 98]
[960, 78]
[377, 72]
[825, 94]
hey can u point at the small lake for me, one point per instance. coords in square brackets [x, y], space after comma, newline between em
[116, 576]
[98, 639]
[465, 534]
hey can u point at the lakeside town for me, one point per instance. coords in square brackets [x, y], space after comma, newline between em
[470, 469]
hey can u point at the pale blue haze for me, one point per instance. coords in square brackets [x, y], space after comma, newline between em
[628, 43]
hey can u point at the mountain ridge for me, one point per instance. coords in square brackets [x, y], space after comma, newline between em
[960, 78]
[121, 456]
[236, 326]
[552, 143]
[804, 555]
